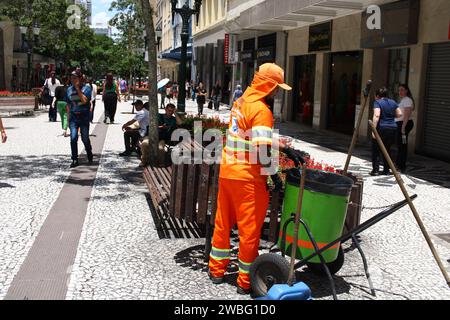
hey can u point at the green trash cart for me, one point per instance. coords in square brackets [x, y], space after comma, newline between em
[324, 207]
[324, 210]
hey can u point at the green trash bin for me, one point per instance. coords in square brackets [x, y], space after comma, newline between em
[324, 209]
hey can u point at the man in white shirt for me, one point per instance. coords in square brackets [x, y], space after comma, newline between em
[52, 83]
[132, 136]
[94, 89]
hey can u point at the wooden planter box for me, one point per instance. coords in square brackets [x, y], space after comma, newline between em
[24, 105]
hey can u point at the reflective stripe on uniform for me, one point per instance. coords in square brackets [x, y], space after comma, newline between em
[244, 267]
[235, 143]
[220, 254]
[261, 134]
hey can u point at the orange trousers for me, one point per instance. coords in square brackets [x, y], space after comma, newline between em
[243, 203]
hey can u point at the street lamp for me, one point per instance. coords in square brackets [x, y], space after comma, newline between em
[185, 12]
[158, 33]
[27, 45]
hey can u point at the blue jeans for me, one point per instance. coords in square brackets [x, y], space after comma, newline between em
[81, 122]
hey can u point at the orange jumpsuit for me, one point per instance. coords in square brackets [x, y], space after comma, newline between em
[243, 197]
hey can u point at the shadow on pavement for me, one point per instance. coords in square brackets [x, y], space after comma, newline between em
[169, 227]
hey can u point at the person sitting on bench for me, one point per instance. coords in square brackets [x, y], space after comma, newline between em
[133, 136]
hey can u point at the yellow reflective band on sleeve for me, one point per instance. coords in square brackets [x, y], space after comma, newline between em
[262, 132]
[261, 139]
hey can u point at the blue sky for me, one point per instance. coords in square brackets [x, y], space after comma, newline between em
[100, 12]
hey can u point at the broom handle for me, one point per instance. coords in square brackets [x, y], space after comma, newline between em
[411, 205]
[358, 125]
[291, 278]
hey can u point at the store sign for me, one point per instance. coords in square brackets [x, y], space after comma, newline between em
[399, 25]
[265, 54]
[320, 37]
[247, 56]
[230, 49]
[226, 49]
[449, 31]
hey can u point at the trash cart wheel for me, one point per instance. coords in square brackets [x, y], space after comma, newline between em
[334, 266]
[268, 269]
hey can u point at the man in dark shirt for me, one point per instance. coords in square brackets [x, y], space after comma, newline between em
[168, 122]
[78, 99]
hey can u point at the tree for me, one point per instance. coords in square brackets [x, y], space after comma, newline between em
[72, 45]
[147, 13]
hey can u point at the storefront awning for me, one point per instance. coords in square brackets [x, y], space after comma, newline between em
[275, 15]
[176, 54]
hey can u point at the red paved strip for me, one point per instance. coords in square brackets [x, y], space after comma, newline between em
[45, 273]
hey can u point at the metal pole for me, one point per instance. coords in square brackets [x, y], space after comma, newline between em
[411, 205]
[181, 103]
[358, 125]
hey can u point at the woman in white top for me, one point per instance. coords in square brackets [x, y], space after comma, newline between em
[405, 124]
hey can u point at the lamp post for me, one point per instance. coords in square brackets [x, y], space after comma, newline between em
[185, 12]
[27, 46]
[158, 33]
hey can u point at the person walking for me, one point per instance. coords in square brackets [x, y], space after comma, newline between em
[188, 89]
[3, 131]
[110, 97]
[193, 90]
[384, 113]
[78, 99]
[237, 93]
[243, 196]
[201, 98]
[52, 83]
[94, 89]
[61, 105]
[217, 95]
[405, 125]
[163, 92]
[123, 89]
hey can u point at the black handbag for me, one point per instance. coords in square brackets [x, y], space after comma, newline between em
[210, 104]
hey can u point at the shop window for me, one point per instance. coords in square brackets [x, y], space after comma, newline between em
[398, 70]
[344, 93]
[304, 80]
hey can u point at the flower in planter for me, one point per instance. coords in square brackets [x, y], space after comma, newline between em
[16, 94]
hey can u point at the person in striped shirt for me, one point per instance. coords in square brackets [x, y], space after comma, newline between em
[78, 99]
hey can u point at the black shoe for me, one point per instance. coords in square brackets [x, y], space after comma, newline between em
[90, 157]
[104, 121]
[215, 280]
[125, 154]
[374, 173]
[74, 164]
[243, 291]
[387, 173]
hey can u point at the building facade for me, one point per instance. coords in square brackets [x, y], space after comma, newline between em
[169, 51]
[14, 59]
[329, 52]
[208, 52]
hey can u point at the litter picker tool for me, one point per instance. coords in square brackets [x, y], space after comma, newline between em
[410, 203]
[366, 93]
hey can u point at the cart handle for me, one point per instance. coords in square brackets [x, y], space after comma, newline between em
[364, 226]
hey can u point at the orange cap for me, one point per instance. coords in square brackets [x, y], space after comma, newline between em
[274, 73]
